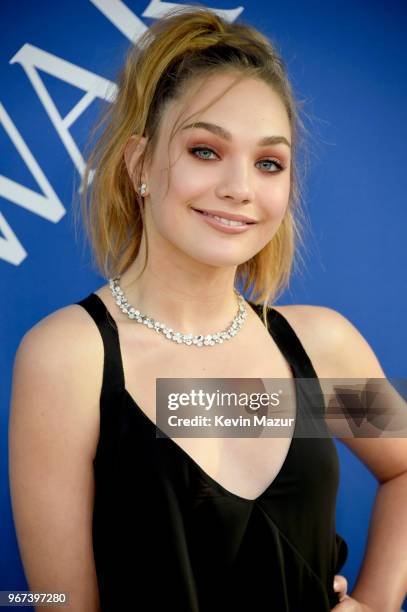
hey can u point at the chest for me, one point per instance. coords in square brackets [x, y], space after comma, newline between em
[244, 466]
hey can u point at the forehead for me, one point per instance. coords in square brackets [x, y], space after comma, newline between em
[247, 106]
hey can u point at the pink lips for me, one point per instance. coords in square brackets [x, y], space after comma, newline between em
[226, 229]
[227, 215]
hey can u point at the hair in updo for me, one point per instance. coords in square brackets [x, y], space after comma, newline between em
[176, 52]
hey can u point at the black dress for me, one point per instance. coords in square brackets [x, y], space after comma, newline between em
[166, 536]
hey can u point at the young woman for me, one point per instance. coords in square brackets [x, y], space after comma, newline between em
[195, 190]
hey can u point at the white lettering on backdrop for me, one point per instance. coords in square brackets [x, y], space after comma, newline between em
[31, 59]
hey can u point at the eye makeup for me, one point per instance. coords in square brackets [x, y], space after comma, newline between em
[193, 150]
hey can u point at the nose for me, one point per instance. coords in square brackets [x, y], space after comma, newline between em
[237, 186]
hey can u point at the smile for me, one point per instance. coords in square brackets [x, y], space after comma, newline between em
[225, 221]
[228, 226]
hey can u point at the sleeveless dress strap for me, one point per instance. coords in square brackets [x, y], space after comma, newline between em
[113, 374]
[288, 342]
[290, 345]
[311, 404]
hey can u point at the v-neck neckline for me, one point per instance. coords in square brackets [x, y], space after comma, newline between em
[271, 314]
[207, 477]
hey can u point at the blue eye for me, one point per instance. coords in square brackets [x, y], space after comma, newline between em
[200, 150]
[272, 161]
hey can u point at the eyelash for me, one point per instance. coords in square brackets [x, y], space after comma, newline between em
[193, 150]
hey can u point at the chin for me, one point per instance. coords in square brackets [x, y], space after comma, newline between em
[220, 260]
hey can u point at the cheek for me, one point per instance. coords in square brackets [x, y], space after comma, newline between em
[275, 202]
[184, 181]
[188, 180]
[184, 188]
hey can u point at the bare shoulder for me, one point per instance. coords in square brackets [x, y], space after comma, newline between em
[64, 319]
[67, 337]
[334, 344]
[59, 367]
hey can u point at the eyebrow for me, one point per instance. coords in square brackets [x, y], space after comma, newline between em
[222, 133]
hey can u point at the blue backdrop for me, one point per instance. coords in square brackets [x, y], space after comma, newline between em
[346, 59]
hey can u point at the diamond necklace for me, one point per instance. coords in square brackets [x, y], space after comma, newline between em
[170, 334]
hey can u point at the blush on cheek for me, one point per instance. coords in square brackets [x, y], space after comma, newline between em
[278, 208]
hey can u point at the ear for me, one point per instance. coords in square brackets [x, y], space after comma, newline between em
[132, 152]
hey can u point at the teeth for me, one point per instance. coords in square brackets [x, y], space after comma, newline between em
[225, 221]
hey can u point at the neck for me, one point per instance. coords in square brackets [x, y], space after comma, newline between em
[187, 299]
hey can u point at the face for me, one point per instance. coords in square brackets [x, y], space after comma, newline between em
[225, 169]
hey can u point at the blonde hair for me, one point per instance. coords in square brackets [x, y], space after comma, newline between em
[177, 50]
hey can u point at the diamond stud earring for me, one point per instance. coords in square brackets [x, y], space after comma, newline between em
[142, 189]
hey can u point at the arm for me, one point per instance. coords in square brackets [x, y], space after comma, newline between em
[382, 580]
[53, 433]
[338, 350]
